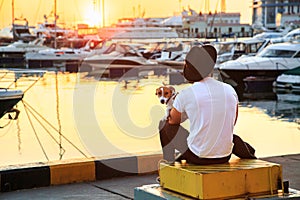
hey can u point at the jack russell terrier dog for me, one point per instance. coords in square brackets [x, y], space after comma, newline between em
[166, 95]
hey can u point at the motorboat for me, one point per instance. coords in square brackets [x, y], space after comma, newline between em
[22, 31]
[119, 54]
[14, 83]
[268, 35]
[270, 62]
[291, 36]
[231, 50]
[19, 30]
[8, 99]
[58, 58]
[175, 52]
[51, 31]
[63, 57]
[289, 79]
[13, 55]
[118, 59]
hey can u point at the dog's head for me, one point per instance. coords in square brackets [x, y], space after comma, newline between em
[164, 93]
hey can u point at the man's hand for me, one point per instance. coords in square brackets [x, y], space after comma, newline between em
[175, 116]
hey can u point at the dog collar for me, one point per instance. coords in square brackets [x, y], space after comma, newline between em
[172, 97]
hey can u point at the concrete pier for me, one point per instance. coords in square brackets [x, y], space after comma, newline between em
[114, 185]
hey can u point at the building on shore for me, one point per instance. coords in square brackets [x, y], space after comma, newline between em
[214, 25]
[187, 25]
[271, 14]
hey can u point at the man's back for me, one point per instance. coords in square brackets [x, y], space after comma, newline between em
[211, 108]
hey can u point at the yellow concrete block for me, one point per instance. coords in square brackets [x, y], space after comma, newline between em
[237, 178]
[73, 171]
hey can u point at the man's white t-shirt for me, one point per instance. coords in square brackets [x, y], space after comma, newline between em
[211, 108]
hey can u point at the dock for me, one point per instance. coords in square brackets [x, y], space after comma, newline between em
[122, 185]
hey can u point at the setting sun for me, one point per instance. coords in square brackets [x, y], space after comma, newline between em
[92, 17]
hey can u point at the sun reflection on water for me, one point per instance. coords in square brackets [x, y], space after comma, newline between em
[104, 118]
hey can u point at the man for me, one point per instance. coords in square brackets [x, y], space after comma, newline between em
[212, 109]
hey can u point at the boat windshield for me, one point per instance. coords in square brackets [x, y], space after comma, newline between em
[269, 53]
[224, 48]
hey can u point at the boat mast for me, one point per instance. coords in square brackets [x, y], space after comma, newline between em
[103, 15]
[13, 12]
[179, 6]
[55, 18]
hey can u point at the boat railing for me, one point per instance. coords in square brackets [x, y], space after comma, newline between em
[20, 79]
[278, 64]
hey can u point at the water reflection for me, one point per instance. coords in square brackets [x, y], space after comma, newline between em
[281, 104]
[65, 116]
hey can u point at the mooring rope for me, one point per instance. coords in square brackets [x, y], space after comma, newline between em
[61, 150]
[62, 135]
[44, 127]
[5, 125]
[36, 135]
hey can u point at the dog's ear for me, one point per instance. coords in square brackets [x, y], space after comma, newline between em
[156, 91]
[172, 89]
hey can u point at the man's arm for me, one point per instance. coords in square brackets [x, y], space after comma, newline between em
[175, 116]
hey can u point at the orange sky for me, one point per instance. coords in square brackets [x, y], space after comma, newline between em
[72, 12]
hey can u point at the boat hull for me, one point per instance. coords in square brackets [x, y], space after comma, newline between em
[8, 99]
[236, 77]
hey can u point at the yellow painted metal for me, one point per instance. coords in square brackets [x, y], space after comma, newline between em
[72, 171]
[237, 178]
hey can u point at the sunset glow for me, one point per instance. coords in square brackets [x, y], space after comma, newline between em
[72, 12]
[92, 17]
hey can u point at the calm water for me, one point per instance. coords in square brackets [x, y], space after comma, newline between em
[65, 116]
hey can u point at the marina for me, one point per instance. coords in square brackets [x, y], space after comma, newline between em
[85, 117]
[78, 97]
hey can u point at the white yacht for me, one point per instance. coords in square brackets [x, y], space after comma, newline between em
[232, 50]
[119, 54]
[19, 30]
[117, 60]
[293, 35]
[52, 57]
[270, 62]
[175, 52]
[13, 54]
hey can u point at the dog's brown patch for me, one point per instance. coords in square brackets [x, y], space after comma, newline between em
[164, 91]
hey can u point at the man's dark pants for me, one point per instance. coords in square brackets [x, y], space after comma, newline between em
[174, 136]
